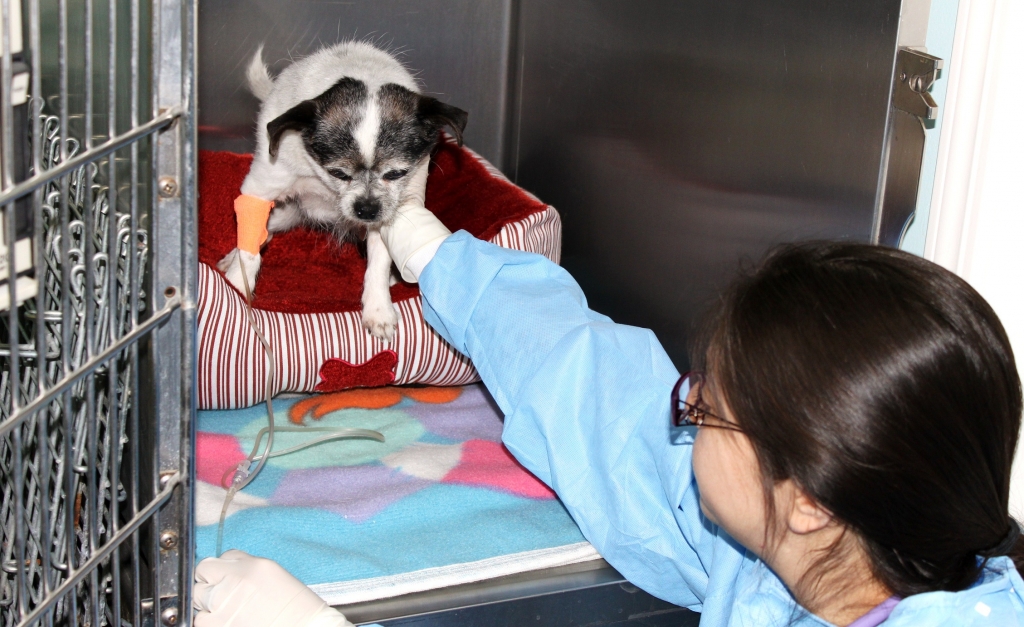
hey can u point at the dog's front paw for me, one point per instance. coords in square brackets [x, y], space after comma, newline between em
[235, 263]
[380, 320]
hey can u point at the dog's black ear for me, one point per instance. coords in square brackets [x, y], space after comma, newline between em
[298, 118]
[443, 114]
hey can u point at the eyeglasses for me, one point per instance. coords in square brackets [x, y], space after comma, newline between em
[694, 414]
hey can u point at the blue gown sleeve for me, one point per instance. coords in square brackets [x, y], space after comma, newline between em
[586, 404]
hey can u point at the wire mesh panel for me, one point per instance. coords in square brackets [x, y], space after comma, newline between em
[96, 311]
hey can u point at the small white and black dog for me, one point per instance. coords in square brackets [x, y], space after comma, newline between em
[343, 140]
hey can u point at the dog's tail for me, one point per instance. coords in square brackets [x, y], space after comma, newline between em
[260, 82]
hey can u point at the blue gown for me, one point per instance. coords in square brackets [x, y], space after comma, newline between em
[586, 404]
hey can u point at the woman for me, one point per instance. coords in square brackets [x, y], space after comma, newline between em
[844, 458]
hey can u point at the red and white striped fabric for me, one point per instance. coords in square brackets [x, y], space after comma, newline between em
[233, 365]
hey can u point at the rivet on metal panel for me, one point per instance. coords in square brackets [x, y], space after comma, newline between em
[168, 540]
[168, 186]
[170, 292]
[165, 478]
[169, 616]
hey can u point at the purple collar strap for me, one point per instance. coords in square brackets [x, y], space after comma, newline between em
[878, 614]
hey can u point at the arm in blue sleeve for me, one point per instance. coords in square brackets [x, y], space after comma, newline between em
[586, 406]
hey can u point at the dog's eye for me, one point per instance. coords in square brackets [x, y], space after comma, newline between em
[339, 174]
[394, 175]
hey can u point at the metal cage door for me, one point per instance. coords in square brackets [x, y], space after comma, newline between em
[97, 315]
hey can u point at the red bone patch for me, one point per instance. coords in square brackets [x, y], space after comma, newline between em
[337, 374]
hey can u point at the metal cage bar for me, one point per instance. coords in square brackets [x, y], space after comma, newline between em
[97, 311]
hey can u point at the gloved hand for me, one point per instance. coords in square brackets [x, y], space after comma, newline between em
[239, 590]
[412, 239]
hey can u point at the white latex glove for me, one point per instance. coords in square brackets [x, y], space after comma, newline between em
[412, 239]
[239, 590]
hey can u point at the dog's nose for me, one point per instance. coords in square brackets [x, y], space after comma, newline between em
[367, 209]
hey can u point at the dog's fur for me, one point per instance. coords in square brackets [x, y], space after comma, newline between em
[343, 140]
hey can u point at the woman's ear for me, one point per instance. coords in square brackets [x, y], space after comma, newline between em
[805, 514]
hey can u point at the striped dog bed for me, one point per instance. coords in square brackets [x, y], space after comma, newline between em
[307, 299]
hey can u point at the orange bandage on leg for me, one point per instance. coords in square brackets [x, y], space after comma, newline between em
[252, 214]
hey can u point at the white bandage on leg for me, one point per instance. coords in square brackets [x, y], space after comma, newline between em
[232, 269]
[412, 239]
[239, 590]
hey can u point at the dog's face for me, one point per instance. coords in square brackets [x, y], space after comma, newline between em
[366, 148]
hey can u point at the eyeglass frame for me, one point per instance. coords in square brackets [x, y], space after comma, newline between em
[686, 414]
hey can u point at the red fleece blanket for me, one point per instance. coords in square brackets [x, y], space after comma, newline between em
[307, 271]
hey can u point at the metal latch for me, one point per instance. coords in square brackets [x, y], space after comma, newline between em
[915, 73]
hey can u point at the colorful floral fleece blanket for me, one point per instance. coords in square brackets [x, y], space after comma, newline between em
[440, 502]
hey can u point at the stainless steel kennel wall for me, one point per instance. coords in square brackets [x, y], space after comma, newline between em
[674, 136]
[96, 353]
[680, 137]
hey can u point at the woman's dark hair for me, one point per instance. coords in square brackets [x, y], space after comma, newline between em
[885, 387]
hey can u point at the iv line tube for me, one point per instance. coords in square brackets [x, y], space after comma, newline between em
[334, 434]
[271, 371]
[242, 475]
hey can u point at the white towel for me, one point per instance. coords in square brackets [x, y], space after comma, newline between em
[348, 592]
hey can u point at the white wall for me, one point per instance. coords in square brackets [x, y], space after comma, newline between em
[976, 227]
[994, 261]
